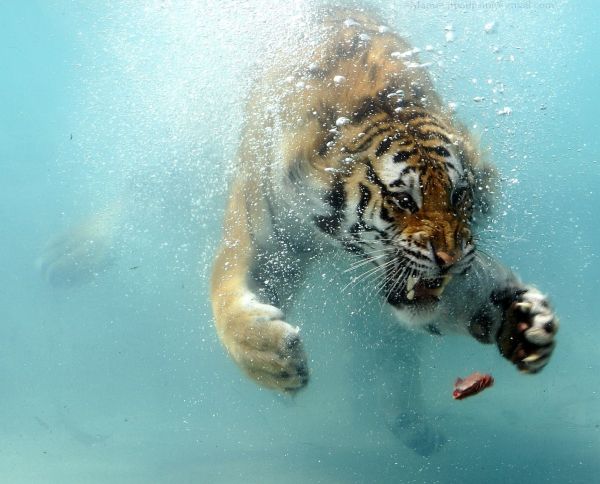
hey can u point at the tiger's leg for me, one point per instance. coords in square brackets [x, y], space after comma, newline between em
[86, 249]
[400, 395]
[517, 317]
[249, 323]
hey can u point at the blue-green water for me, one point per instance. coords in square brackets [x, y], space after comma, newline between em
[122, 379]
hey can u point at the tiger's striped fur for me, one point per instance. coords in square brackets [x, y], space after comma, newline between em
[347, 146]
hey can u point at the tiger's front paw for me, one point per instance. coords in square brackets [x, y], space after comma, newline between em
[270, 352]
[527, 337]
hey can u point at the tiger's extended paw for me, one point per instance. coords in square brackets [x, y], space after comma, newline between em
[270, 352]
[527, 336]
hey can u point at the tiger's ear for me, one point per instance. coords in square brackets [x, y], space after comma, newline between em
[486, 187]
[485, 175]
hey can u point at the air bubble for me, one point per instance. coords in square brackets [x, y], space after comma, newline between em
[399, 93]
[416, 65]
[405, 54]
[489, 27]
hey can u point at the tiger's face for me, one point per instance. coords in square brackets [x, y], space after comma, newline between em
[408, 206]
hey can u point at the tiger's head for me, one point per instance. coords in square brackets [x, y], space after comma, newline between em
[405, 204]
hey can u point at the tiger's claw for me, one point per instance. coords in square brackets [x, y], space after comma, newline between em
[527, 337]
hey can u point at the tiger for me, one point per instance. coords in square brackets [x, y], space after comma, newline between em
[348, 149]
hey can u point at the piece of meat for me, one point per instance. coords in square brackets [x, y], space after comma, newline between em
[471, 385]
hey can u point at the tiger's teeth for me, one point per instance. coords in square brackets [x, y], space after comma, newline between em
[410, 285]
[438, 291]
[524, 306]
[410, 295]
[532, 358]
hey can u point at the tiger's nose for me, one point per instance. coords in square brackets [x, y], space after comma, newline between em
[445, 259]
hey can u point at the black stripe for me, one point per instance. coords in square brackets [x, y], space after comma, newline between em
[386, 143]
[438, 150]
[424, 126]
[365, 142]
[385, 214]
[375, 127]
[352, 247]
[368, 107]
[419, 120]
[365, 198]
[325, 145]
[431, 131]
[361, 227]
[403, 156]
[438, 135]
[399, 182]
[416, 266]
[373, 72]
[416, 255]
[384, 146]
[411, 115]
[327, 224]
[336, 199]
[373, 178]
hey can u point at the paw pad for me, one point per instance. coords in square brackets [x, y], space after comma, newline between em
[527, 338]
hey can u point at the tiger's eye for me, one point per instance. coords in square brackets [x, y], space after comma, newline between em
[406, 202]
[458, 195]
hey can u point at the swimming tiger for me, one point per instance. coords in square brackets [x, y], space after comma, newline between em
[348, 148]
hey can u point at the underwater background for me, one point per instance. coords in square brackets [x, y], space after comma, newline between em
[132, 110]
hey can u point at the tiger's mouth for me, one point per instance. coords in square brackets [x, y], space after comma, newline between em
[420, 290]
